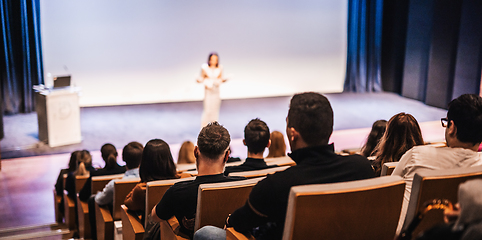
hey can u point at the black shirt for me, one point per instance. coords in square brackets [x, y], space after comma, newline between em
[269, 197]
[86, 191]
[250, 164]
[180, 200]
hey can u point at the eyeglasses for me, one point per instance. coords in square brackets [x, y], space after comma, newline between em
[444, 122]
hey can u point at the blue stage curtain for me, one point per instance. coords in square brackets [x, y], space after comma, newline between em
[21, 61]
[363, 66]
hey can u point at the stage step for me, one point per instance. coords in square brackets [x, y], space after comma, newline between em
[49, 231]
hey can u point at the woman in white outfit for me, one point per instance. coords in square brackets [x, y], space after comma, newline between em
[211, 77]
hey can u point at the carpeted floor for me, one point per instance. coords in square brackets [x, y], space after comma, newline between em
[177, 122]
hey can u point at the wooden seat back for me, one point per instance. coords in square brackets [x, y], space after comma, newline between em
[131, 225]
[155, 191]
[98, 182]
[183, 167]
[217, 200]
[280, 161]
[436, 184]
[388, 168]
[122, 187]
[69, 203]
[259, 173]
[79, 182]
[364, 209]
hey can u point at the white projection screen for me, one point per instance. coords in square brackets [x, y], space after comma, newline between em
[148, 51]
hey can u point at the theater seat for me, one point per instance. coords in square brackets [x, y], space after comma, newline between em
[388, 168]
[436, 184]
[258, 173]
[364, 209]
[215, 202]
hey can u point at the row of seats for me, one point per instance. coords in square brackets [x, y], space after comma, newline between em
[367, 209]
[341, 208]
[105, 221]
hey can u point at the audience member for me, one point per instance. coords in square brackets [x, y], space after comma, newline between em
[463, 135]
[84, 168]
[59, 185]
[132, 155]
[309, 127]
[378, 129]
[156, 164]
[278, 146]
[468, 216]
[180, 200]
[256, 139]
[186, 153]
[402, 133]
[109, 155]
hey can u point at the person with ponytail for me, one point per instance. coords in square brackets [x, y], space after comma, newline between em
[109, 155]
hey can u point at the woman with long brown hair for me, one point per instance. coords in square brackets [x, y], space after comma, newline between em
[402, 133]
[278, 145]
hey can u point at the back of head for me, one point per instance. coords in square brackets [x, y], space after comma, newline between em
[402, 133]
[256, 136]
[186, 153]
[213, 141]
[73, 162]
[132, 154]
[278, 146]
[84, 163]
[157, 162]
[312, 116]
[378, 129]
[109, 154]
[466, 112]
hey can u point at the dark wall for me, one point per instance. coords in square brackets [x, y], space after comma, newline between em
[432, 49]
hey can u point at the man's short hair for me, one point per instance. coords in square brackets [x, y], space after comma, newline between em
[213, 140]
[466, 112]
[312, 116]
[132, 154]
[256, 136]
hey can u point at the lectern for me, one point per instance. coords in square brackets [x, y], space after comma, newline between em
[58, 116]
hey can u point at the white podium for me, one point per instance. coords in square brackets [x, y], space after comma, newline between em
[58, 114]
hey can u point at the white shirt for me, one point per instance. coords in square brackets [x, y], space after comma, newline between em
[107, 194]
[432, 158]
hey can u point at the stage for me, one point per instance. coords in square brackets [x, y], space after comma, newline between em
[177, 122]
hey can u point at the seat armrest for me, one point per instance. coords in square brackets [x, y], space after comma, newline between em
[232, 234]
[132, 227]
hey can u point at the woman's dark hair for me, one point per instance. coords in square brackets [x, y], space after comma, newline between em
[157, 162]
[278, 145]
[378, 129]
[109, 154]
[402, 133]
[213, 54]
[74, 158]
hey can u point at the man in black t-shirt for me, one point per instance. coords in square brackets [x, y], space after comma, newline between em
[211, 152]
[256, 138]
[308, 127]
